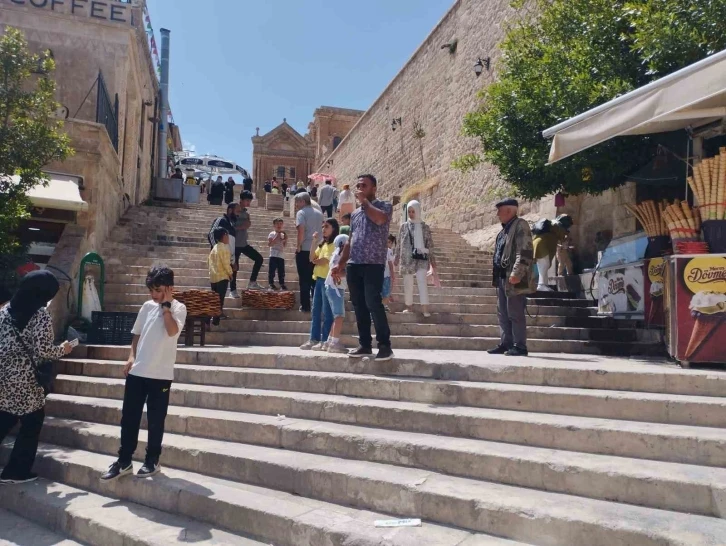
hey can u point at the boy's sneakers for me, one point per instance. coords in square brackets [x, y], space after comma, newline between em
[149, 469]
[337, 347]
[360, 352]
[320, 347]
[283, 287]
[273, 287]
[116, 470]
[10, 480]
[254, 286]
[384, 353]
[234, 294]
[309, 344]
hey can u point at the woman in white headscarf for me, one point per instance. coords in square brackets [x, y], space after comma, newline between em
[415, 257]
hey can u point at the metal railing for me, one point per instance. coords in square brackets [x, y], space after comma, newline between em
[106, 113]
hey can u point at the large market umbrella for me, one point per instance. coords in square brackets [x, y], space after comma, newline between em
[213, 164]
[322, 177]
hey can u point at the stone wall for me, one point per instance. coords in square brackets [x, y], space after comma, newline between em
[433, 91]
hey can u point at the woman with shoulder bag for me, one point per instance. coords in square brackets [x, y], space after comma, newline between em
[415, 257]
[26, 342]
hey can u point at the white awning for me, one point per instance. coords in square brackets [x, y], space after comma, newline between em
[692, 97]
[61, 193]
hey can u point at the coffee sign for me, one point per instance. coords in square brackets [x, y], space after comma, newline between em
[114, 11]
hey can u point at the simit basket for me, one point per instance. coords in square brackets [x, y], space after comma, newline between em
[111, 328]
[268, 299]
[200, 303]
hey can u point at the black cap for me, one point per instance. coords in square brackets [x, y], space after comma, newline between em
[509, 202]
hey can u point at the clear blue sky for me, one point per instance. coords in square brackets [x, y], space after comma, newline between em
[241, 64]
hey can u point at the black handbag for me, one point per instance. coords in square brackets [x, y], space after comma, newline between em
[415, 254]
[43, 370]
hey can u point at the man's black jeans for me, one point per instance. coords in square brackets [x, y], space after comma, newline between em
[365, 282]
[328, 210]
[253, 255]
[305, 275]
[155, 393]
[26, 442]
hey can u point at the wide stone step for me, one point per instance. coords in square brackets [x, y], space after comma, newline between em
[186, 271]
[248, 314]
[669, 486]
[281, 518]
[607, 404]
[97, 519]
[200, 262]
[521, 514]
[664, 442]
[448, 343]
[427, 327]
[581, 372]
[17, 531]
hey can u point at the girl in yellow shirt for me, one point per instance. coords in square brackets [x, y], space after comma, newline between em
[322, 314]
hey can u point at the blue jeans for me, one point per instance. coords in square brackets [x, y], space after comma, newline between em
[322, 314]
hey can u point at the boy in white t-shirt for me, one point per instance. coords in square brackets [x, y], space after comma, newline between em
[389, 274]
[149, 373]
[277, 240]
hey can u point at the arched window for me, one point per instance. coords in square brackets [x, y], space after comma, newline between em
[336, 140]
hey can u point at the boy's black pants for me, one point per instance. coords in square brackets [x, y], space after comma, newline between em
[277, 265]
[221, 289]
[155, 394]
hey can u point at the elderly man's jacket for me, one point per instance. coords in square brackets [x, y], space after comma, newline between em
[517, 259]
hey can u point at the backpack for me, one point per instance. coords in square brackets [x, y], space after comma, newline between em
[542, 226]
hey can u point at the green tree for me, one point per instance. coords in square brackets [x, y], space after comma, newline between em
[565, 57]
[30, 134]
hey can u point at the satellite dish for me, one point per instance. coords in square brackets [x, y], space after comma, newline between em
[61, 112]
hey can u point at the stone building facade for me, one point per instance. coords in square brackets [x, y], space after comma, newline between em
[329, 127]
[97, 45]
[283, 153]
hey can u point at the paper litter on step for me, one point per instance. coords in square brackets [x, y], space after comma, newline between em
[280, 417]
[398, 523]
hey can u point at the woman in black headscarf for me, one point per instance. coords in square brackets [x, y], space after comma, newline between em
[26, 340]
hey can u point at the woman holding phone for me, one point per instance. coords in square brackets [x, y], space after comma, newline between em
[26, 341]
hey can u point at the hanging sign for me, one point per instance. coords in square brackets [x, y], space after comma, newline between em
[114, 11]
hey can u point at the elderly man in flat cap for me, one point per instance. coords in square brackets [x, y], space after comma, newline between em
[513, 278]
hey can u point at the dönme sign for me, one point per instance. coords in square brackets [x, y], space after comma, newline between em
[113, 11]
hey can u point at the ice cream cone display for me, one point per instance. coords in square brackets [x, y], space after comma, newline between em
[709, 311]
[650, 217]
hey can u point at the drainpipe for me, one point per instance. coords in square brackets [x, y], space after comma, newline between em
[164, 114]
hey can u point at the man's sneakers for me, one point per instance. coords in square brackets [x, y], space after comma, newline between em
[16, 480]
[308, 345]
[516, 350]
[116, 470]
[498, 350]
[384, 353]
[234, 294]
[322, 346]
[149, 469]
[254, 285]
[360, 352]
[283, 288]
[272, 287]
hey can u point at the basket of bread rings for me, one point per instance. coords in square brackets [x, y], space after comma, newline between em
[200, 303]
[268, 299]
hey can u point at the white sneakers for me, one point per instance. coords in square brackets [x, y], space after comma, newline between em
[544, 288]
[234, 294]
[254, 286]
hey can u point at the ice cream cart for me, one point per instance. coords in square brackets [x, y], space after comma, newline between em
[620, 280]
[695, 287]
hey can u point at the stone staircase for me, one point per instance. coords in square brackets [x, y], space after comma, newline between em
[464, 310]
[266, 444]
[270, 446]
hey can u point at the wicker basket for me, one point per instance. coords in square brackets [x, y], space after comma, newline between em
[268, 299]
[200, 303]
